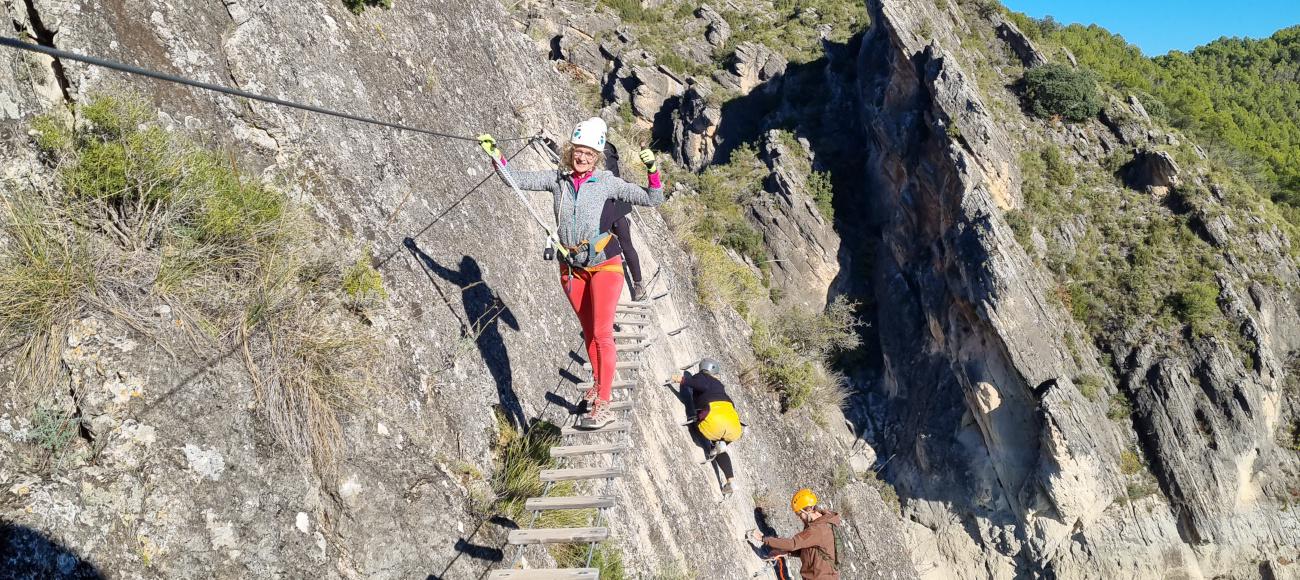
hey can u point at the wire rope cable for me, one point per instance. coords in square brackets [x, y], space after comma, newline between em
[135, 70]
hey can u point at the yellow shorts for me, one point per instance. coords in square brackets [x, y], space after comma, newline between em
[722, 423]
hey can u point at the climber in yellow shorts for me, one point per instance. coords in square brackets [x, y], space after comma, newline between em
[715, 414]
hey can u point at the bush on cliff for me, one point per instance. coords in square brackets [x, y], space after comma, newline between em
[138, 218]
[1058, 90]
[359, 6]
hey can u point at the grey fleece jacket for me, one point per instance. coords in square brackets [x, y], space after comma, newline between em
[577, 214]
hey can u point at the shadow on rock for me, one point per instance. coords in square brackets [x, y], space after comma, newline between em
[483, 310]
[483, 553]
[26, 554]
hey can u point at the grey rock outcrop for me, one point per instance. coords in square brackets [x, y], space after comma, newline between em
[719, 30]
[1128, 121]
[1020, 44]
[654, 87]
[800, 240]
[694, 126]
[753, 65]
[1152, 170]
[583, 53]
[991, 376]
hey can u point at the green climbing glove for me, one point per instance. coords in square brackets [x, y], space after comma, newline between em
[648, 158]
[489, 144]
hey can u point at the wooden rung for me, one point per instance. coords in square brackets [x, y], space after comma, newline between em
[558, 536]
[632, 348]
[614, 427]
[560, 451]
[629, 336]
[579, 473]
[631, 312]
[620, 405]
[552, 574]
[627, 365]
[632, 322]
[642, 305]
[581, 502]
[616, 385]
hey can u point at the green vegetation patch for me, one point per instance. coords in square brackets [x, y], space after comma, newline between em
[359, 6]
[1056, 90]
[138, 217]
[1236, 95]
[792, 27]
[795, 350]
[520, 458]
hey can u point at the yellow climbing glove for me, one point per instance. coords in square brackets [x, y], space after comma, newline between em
[648, 158]
[489, 144]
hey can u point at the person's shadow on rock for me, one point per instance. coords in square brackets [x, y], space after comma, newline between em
[28, 553]
[483, 309]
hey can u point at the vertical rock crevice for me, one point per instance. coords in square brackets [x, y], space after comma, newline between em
[45, 37]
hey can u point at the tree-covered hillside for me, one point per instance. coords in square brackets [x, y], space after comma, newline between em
[1239, 96]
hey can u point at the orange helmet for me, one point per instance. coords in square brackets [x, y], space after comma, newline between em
[803, 499]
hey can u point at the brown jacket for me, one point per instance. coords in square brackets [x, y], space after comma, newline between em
[815, 547]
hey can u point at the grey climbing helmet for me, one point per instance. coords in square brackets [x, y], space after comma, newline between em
[710, 366]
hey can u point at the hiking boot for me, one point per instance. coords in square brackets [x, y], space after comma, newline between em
[638, 292]
[727, 489]
[598, 417]
[590, 396]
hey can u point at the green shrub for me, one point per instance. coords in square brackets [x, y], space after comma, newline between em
[362, 282]
[1033, 173]
[819, 185]
[113, 118]
[887, 492]
[1136, 490]
[520, 458]
[143, 209]
[606, 558]
[720, 280]
[1120, 408]
[46, 271]
[1057, 171]
[794, 353]
[359, 6]
[52, 134]
[1090, 386]
[52, 429]
[1058, 90]
[1197, 306]
[631, 11]
[821, 334]
[1129, 463]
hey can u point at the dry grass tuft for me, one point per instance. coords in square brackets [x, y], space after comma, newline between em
[137, 217]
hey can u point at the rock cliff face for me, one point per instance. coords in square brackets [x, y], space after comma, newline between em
[1008, 464]
[186, 480]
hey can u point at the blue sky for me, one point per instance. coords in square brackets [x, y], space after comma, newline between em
[1159, 26]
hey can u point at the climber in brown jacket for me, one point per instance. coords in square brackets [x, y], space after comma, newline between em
[815, 545]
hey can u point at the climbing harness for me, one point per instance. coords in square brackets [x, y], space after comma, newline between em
[576, 258]
[778, 566]
[135, 70]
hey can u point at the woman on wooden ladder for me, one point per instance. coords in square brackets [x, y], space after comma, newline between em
[592, 278]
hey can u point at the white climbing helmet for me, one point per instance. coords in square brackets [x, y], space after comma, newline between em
[590, 133]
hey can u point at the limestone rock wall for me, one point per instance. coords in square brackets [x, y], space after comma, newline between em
[1007, 470]
[190, 484]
